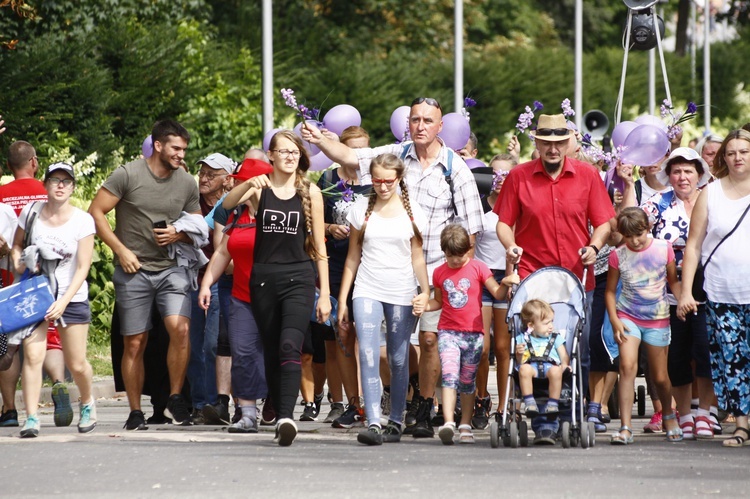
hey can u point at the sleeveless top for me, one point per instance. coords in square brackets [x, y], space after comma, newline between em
[280, 236]
[726, 276]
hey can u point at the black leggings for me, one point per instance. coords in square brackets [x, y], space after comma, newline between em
[282, 298]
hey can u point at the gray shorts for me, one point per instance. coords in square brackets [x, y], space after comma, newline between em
[77, 312]
[429, 320]
[136, 294]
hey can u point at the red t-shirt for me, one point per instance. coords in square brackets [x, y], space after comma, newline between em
[21, 192]
[551, 217]
[462, 295]
[241, 245]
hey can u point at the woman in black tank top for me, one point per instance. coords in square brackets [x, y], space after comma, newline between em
[289, 238]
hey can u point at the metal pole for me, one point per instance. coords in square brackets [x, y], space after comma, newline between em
[458, 78]
[578, 91]
[693, 47]
[707, 65]
[651, 81]
[267, 66]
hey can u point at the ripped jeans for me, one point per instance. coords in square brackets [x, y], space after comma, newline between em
[400, 324]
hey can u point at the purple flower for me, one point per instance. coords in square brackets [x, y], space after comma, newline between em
[566, 109]
[538, 106]
[691, 108]
[347, 195]
[289, 99]
[674, 131]
[498, 179]
[469, 102]
[586, 138]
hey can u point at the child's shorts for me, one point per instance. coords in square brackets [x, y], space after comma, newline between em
[541, 368]
[654, 336]
[487, 298]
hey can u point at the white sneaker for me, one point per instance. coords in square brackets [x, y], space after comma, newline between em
[87, 421]
[286, 432]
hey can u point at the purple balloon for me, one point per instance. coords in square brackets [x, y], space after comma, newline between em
[648, 119]
[400, 123]
[621, 131]
[474, 163]
[341, 117]
[267, 138]
[311, 148]
[456, 131]
[646, 145]
[319, 162]
[147, 148]
[613, 181]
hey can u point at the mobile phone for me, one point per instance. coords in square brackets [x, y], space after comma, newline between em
[160, 224]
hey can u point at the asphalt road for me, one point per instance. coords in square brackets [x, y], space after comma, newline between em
[206, 461]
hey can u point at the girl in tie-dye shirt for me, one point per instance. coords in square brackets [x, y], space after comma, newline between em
[641, 313]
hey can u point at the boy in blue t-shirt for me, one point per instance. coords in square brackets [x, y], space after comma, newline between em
[540, 353]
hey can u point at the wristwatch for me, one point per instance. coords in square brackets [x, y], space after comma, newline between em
[596, 250]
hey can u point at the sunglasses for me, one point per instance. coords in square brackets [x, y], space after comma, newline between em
[559, 132]
[428, 100]
[387, 182]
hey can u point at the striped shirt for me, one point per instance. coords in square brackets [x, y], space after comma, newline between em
[429, 188]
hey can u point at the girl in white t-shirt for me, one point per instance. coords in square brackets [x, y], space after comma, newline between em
[64, 233]
[385, 254]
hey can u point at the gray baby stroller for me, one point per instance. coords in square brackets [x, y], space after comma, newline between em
[564, 292]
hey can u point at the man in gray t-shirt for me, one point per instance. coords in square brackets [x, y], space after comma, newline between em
[148, 195]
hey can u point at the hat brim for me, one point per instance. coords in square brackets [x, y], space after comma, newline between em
[252, 168]
[704, 179]
[551, 138]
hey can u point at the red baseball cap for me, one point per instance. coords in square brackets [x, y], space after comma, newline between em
[250, 168]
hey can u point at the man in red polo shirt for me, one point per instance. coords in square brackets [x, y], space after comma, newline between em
[24, 189]
[545, 208]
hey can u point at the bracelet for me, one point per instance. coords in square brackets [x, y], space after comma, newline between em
[596, 250]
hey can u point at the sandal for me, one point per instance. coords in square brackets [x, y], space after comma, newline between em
[680, 432]
[465, 435]
[703, 428]
[737, 440]
[446, 433]
[619, 439]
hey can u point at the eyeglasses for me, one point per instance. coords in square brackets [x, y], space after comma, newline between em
[286, 153]
[387, 181]
[210, 176]
[428, 100]
[66, 182]
[560, 132]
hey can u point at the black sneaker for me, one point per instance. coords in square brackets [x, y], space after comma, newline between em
[197, 417]
[136, 421]
[237, 414]
[317, 400]
[178, 410]
[411, 415]
[9, 417]
[439, 418]
[482, 407]
[216, 414]
[372, 435]
[392, 432]
[351, 417]
[159, 417]
[268, 413]
[309, 413]
[423, 427]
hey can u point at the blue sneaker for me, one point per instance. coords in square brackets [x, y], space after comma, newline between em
[63, 410]
[31, 427]
[87, 421]
[8, 418]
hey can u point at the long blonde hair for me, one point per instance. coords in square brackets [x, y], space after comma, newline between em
[302, 186]
[390, 162]
[721, 169]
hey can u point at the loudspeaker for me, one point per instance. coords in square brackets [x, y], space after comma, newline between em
[595, 123]
[639, 4]
[642, 32]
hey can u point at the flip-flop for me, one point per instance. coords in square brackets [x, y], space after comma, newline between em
[737, 440]
[619, 439]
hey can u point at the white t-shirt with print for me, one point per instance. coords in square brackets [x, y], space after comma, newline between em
[63, 242]
[385, 271]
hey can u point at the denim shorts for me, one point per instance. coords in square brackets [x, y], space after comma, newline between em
[654, 336]
[487, 298]
[541, 368]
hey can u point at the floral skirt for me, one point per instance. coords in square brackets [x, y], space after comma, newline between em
[729, 342]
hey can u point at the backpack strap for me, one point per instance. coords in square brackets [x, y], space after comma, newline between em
[31, 217]
[447, 173]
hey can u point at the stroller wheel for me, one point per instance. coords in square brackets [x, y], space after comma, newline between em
[592, 434]
[494, 435]
[565, 434]
[585, 435]
[523, 433]
[513, 435]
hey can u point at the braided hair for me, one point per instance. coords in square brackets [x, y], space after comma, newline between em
[390, 162]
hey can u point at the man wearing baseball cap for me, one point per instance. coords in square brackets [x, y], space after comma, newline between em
[213, 182]
[544, 211]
